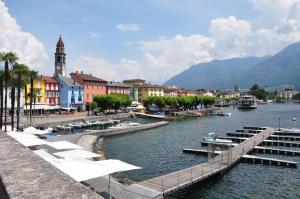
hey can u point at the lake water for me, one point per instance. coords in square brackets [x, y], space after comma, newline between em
[159, 151]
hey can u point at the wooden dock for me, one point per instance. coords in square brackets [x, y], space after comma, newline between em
[280, 143]
[272, 150]
[270, 161]
[181, 179]
[257, 149]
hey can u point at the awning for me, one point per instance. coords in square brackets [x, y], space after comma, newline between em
[77, 153]
[63, 145]
[117, 165]
[35, 131]
[42, 107]
[80, 170]
[27, 139]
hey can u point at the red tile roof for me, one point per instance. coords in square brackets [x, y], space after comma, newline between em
[49, 79]
[87, 77]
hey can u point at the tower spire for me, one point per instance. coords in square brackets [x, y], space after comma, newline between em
[60, 58]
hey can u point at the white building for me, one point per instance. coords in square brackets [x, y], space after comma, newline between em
[287, 93]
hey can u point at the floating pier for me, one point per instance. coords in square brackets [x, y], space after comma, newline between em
[220, 161]
[269, 161]
[280, 143]
[200, 151]
[169, 183]
[272, 150]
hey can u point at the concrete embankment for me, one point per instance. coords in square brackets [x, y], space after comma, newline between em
[126, 130]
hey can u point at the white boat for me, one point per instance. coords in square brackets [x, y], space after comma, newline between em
[134, 124]
[213, 138]
[247, 102]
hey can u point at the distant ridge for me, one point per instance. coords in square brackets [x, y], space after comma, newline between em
[282, 69]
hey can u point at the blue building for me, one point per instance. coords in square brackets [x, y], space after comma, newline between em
[71, 93]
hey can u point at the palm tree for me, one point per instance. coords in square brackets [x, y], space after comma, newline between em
[32, 75]
[21, 72]
[9, 58]
[1, 97]
[12, 100]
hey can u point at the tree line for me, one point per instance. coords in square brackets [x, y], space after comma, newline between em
[14, 76]
[185, 102]
[110, 101]
[262, 94]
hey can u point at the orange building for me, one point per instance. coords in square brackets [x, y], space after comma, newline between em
[92, 85]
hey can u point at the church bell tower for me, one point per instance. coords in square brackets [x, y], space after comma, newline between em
[60, 58]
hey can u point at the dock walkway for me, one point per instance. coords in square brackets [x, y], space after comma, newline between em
[172, 182]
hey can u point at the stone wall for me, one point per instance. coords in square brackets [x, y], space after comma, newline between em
[26, 175]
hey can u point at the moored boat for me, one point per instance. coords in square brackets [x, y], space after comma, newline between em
[213, 138]
[247, 102]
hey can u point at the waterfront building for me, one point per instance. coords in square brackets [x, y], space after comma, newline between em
[39, 96]
[117, 87]
[52, 90]
[133, 83]
[60, 58]
[194, 93]
[229, 94]
[171, 92]
[70, 92]
[149, 90]
[287, 93]
[92, 85]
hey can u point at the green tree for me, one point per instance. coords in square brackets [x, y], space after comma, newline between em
[258, 92]
[9, 58]
[112, 101]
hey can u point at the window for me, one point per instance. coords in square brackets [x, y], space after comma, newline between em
[87, 85]
[87, 96]
[39, 99]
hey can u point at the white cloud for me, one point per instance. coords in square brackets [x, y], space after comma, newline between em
[277, 26]
[128, 27]
[93, 34]
[29, 50]
[125, 68]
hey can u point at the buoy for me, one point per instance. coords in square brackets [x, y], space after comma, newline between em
[294, 119]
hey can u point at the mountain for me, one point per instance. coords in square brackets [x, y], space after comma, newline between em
[279, 70]
[276, 71]
[220, 74]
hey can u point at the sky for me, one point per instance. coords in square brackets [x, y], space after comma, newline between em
[149, 39]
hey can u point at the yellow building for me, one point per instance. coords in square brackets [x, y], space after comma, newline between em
[38, 91]
[148, 90]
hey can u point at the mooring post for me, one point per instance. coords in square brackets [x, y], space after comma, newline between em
[162, 183]
[178, 179]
